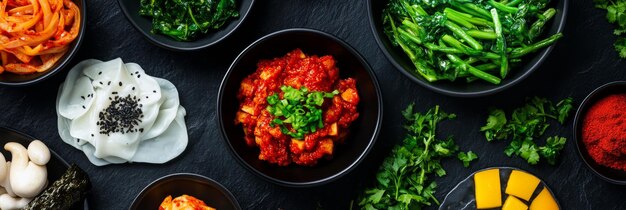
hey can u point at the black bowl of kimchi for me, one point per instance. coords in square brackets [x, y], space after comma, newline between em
[461, 88]
[361, 134]
[212, 193]
[144, 25]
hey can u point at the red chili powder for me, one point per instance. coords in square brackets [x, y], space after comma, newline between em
[604, 131]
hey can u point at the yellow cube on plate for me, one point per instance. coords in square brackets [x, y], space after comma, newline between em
[544, 201]
[512, 203]
[487, 189]
[521, 184]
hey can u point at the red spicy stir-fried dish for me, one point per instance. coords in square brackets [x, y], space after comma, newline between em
[295, 108]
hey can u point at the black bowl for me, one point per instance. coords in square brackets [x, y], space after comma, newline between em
[363, 131]
[144, 25]
[611, 175]
[56, 166]
[203, 188]
[460, 88]
[10, 79]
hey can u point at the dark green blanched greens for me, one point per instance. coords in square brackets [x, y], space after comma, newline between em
[470, 39]
[186, 20]
[404, 180]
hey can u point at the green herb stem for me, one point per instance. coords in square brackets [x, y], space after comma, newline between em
[489, 35]
[461, 33]
[502, 7]
[519, 52]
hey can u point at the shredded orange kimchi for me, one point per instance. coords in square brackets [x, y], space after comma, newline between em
[35, 34]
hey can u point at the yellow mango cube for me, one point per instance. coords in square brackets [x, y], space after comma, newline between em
[487, 189]
[521, 184]
[512, 203]
[544, 201]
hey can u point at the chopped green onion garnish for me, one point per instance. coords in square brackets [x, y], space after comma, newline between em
[299, 108]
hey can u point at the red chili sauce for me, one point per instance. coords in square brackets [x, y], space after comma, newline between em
[296, 70]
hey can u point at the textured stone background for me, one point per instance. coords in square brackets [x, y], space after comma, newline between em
[582, 61]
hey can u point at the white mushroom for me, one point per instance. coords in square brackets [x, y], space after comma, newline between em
[5, 182]
[38, 153]
[8, 202]
[27, 179]
[3, 168]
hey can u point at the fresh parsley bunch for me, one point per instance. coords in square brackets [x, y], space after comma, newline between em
[404, 180]
[616, 14]
[527, 123]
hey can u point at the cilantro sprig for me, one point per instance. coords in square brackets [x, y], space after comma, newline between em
[467, 158]
[526, 124]
[299, 110]
[616, 13]
[404, 180]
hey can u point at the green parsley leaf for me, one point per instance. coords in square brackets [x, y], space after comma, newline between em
[527, 123]
[466, 158]
[564, 107]
[620, 46]
[552, 148]
[616, 14]
[403, 181]
[494, 129]
[529, 152]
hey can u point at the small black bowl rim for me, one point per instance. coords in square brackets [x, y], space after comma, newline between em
[543, 55]
[186, 176]
[326, 180]
[150, 37]
[578, 139]
[54, 154]
[62, 63]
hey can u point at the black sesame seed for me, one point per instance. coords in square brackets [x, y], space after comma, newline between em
[154, 91]
[114, 92]
[109, 83]
[122, 115]
[84, 107]
[133, 88]
[146, 96]
[83, 97]
[92, 135]
[120, 84]
[101, 83]
[99, 73]
[138, 76]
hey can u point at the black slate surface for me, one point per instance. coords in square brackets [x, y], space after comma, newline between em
[582, 61]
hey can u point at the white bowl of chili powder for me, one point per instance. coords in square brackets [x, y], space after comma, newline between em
[600, 131]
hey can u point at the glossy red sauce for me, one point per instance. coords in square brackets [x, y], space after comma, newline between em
[296, 70]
